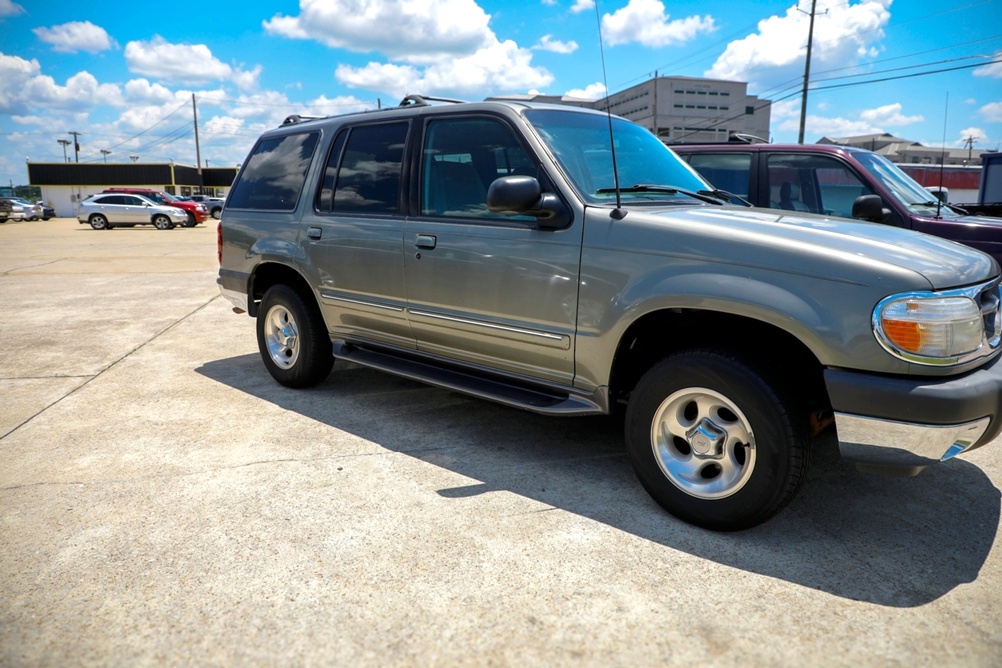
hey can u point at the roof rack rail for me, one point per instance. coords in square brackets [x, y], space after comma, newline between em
[296, 118]
[425, 100]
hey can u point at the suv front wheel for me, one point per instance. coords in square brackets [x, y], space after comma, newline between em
[715, 441]
[293, 339]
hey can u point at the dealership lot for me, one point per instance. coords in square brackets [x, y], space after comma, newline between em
[163, 501]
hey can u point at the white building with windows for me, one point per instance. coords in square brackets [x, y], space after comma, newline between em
[688, 110]
[683, 109]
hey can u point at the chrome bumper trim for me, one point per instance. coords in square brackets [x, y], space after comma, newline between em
[876, 442]
[238, 299]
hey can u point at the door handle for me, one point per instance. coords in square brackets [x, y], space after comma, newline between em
[313, 232]
[425, 241]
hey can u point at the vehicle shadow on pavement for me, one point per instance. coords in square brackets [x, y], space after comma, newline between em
[898, 542]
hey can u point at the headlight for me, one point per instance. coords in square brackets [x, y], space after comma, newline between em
[939, 328]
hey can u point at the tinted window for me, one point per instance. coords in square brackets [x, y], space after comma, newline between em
[726, 171]
[110, 199]
[368, 180]
[462, 157]
[818, 184]
[274, 174]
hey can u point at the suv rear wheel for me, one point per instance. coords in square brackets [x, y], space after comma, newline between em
[293, 339]
[716, 441]
[98, 222]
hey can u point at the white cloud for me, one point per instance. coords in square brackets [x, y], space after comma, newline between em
[8, 8]
[993, 70]
[141, 91]
[992, 112]
[193, 63]
[23, 89]
[499, 67]
[582, 6]
[774, 55]
[889, 115]
[786, 115]
[76, 36]
[547, 43]
[416, 32]
[645, 21]
[595, 91]
[159, 58]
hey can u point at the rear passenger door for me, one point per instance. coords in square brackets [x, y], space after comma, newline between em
[352, 235]
[485, 288]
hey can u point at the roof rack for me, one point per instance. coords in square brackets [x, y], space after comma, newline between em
[425, 100]
[296, 118]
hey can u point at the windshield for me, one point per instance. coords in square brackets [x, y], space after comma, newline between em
[901, 186]
[580, 144]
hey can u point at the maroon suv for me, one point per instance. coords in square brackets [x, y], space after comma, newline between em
[837, 181]
[196, 212]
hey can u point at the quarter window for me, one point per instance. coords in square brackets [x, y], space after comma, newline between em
[273, 177]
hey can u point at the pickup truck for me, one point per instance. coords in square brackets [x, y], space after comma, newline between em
[564, 261]
[837, 181]
[214, 205]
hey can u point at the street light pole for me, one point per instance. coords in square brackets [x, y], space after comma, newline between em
[65, 143]
[105, 153]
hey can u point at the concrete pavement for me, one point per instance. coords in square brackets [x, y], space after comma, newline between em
[164, 502]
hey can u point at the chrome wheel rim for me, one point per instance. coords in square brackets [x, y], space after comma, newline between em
[703, 443]
[281, 335]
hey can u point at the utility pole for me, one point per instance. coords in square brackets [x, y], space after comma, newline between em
[198, 150]
[807, 75]
[76, 144]
[65, 143]
[970, 145]
[105, 153]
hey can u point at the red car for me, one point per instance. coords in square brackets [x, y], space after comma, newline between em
[196, 212]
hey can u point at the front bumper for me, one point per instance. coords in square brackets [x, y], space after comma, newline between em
[904, 424]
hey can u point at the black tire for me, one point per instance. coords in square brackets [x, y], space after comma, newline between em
[716, 441]
[162, 222]
[99, 222]
[217, 212]
[191, 222]
[292, 338]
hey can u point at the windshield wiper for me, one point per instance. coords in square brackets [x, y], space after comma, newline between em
[703, 195]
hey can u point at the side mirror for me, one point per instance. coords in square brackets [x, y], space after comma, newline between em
[870, 207]
[523, 196]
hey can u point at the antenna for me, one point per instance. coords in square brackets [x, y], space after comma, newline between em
[618, 212]
[942, 161]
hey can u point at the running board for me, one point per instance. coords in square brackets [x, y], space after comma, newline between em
[492, 388]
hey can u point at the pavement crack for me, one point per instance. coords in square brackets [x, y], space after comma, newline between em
[112, 365]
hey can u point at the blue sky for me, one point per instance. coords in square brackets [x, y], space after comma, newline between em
[123, 74]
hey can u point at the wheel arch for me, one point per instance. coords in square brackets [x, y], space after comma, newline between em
[658, 334]
[268, 274]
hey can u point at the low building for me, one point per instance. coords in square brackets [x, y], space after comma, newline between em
[907, 152]
[63, 184]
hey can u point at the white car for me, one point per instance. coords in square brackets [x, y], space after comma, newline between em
[109, 210]
[32, 211]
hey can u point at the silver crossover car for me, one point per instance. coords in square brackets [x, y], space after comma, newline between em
[105, 211]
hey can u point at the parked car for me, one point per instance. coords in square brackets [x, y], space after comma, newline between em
[10, 210]
[489, 248]
[196, 213]
[837, 181]
[47, 211]
[109, 210]
[32, 211]
[214, 205]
